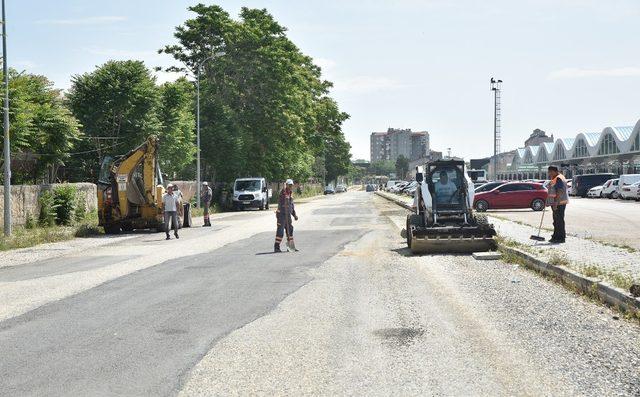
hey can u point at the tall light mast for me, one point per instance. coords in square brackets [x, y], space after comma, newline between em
[496, 87]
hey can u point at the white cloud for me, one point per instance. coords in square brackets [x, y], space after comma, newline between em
[128, 54]
[165, 77]
[366, 84]
[24, 64]
[572, 73]
[325, 64]
[84, 21]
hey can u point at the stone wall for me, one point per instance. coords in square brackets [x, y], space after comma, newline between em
[24, 200]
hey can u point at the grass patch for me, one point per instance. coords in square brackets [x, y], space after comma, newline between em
[625, 247]
[24, 237]
[558, 259]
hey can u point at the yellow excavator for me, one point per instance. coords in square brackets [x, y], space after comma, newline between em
[130, 190]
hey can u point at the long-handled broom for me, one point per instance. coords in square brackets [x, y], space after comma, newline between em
[538, 237]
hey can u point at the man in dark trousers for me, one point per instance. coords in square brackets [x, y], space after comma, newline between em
[170, 204]
[285, 210]
[206, 196]
[558, 198]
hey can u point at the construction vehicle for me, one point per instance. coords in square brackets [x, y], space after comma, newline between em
[443, 220]
[130, 190]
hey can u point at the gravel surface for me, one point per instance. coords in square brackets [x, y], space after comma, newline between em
[579, 252]
[375, 321]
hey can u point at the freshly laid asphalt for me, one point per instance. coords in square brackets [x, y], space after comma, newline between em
[352, 313]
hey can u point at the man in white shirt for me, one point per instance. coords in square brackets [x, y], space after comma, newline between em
[445, 189]
[170, 202]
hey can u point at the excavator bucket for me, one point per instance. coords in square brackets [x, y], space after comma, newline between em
[451, 240]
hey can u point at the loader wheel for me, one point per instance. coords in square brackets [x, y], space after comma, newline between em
[537, 205]
[262, 206]
[414, 220]
[127, 227]
[482, 205]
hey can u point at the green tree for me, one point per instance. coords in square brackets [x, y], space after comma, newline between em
[117, 105]
[402, 166]
[263, 100]
[43, 131]
[382, 167]
[177, 135]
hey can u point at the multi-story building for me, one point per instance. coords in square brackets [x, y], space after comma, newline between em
[396, 142]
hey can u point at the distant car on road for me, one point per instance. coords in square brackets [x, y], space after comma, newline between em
[341, 189]
[512, 195]
[329, 190]
[370, 188]
[595, 192]
[398, 188]
[391, 184]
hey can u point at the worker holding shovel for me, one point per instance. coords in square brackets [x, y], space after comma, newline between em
[285, 210]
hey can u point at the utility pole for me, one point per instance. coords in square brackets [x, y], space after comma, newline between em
[7, 148]
[496, 87]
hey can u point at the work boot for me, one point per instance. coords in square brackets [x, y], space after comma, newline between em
[168, 238]
[176, 234]
[276, 248]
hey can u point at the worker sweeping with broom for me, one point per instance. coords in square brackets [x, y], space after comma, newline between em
[285, 210]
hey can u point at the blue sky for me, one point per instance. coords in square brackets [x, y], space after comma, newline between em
[568, 66]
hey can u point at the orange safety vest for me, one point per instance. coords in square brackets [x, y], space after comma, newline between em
[564, 197]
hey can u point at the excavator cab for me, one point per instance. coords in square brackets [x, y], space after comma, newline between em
[444, 221]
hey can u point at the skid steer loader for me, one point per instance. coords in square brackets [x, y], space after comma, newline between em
[130, 190]
[444, 221]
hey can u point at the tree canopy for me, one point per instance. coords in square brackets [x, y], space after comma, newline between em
[265, 108]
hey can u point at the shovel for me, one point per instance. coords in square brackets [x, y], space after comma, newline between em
[538, 237]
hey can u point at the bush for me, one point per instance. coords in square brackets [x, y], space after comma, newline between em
[30, 222]
[47, 209]
[65, 198]
[80, 212]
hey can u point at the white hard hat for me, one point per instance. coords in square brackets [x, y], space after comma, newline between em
[289, 182]
[205, 183]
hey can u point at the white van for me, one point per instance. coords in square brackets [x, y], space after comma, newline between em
[251, 193]
[610, 188]
[391, 184]
[626, 180]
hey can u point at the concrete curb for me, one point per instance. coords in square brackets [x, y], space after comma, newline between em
[609, 294]
[395, 200]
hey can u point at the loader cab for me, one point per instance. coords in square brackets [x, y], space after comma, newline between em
[447, 185]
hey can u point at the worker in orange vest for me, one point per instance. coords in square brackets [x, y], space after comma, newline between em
[558, 198]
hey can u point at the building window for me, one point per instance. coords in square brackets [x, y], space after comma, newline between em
[608, 146]
[636, 143]
[559, 155]
[580, 150]
[543, 156]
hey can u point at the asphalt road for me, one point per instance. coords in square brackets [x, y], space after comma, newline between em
[215, 313]
[612, 221]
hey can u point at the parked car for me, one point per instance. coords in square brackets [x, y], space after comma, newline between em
[391, 183]
[409, 186]
[251, 192]
[569, 186]
[329, 190]
[626, 180]
[595, 192]
[488, 186]
[341, 189]
[370, 188]
[397, 188]
[512, 195]
[630, 192]
[582, 183]
[610, 188]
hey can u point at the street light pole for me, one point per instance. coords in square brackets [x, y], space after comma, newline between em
[198, 176]
[496, 87]
[7, 148]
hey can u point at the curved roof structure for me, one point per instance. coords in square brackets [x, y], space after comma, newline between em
[611, 141]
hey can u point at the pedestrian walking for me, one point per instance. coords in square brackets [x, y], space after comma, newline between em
[170, 203]
[558, 198]
[285, 211]
[206, 196]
